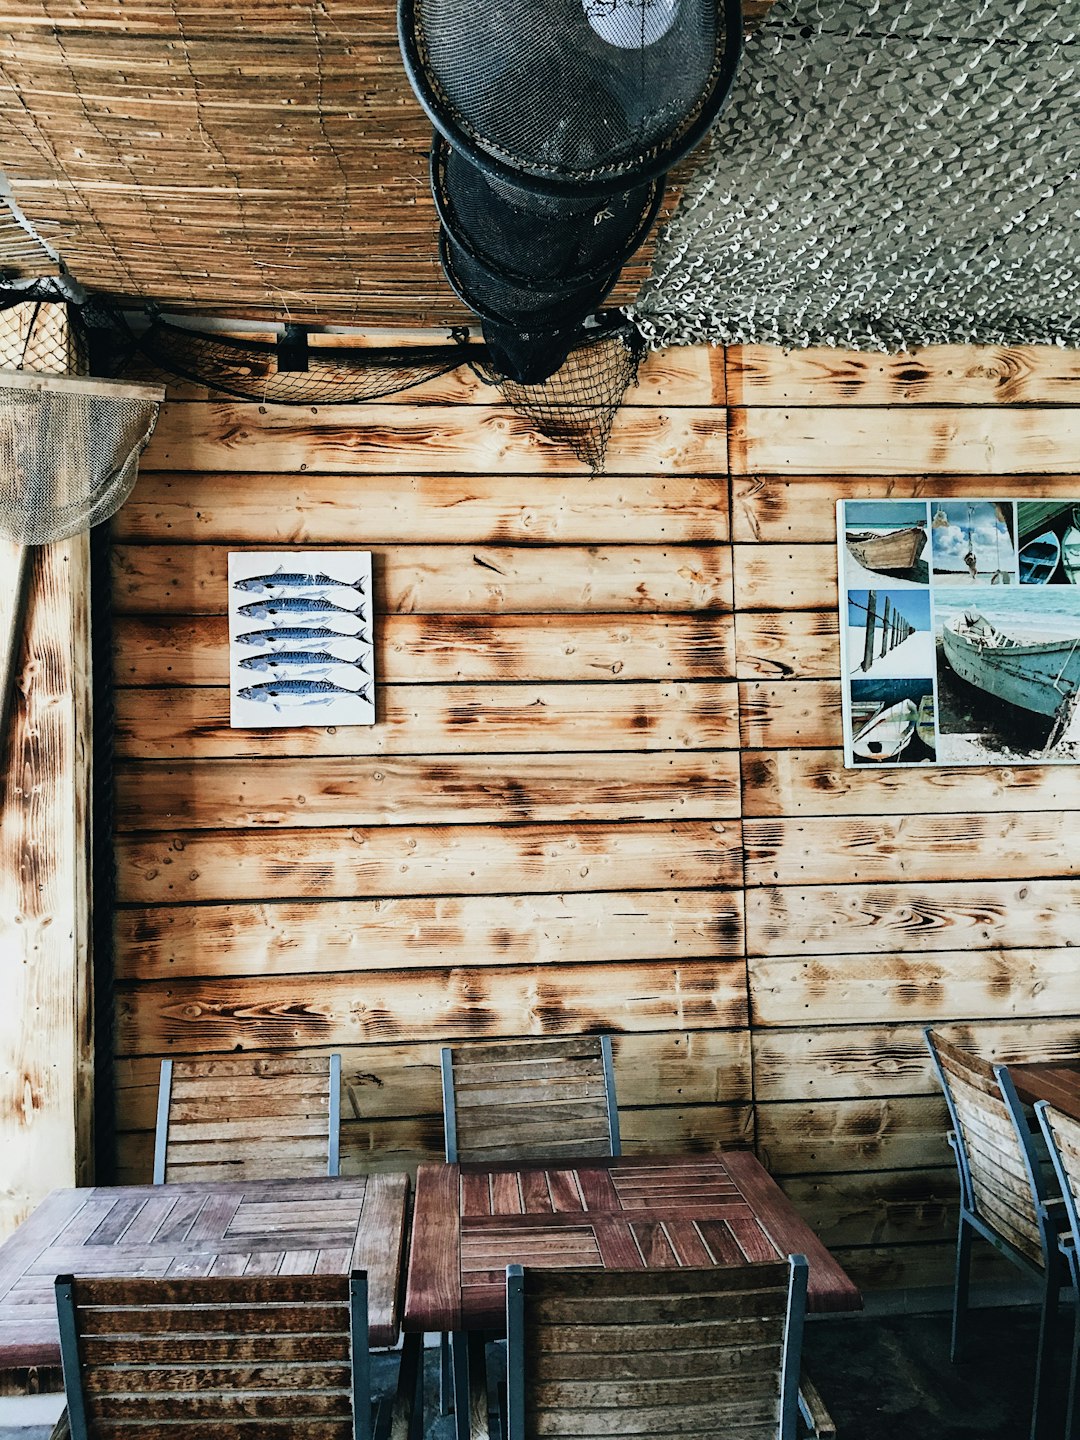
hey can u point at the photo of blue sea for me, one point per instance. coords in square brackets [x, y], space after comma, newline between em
[1025, 612]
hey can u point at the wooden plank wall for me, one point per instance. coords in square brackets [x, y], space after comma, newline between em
[540, 834]
[879, 903]
[552, 826]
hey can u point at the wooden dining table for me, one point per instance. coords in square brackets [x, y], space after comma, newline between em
[235, 1227]
[1056, 1081]
[656, 1212]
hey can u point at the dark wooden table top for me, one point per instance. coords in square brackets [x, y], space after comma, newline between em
[254, 1227]
[1057, 1081]
[654, 1212]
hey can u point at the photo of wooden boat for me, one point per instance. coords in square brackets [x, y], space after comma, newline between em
[924, 721]
[1035, 675]
[1070, 550]
[1039, 558]
[887, 732]
[888, 551]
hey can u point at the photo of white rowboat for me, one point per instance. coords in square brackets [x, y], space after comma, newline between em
[887, 733]
[1070, 552]
[1035, 675]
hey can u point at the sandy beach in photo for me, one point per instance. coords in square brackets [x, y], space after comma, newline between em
[913, 656]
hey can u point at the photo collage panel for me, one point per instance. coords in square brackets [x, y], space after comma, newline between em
[959, 631]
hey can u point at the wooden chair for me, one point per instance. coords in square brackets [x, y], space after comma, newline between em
[524, 1100]
[655, 1353]
[1004, 1196]
[1063, 1140]
[530, 1099]
[248, 1119]
[265, 1356]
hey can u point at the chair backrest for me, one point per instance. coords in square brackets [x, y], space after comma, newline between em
[999, 1168]
[248, 1119]
[530, 1099]
[1063, 1141]
[276, 1355]
[655, 1352]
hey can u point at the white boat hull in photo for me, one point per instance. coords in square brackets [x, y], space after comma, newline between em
[1032, 675]
[887, 733]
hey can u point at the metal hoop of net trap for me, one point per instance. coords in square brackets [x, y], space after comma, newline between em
[572, 97]
[556, 122]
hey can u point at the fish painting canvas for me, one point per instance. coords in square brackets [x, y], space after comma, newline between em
[300, 638]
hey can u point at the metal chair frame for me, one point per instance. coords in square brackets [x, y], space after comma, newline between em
[164, 1100]
[1069, 1245]
[1049, 1275]
[450, 1106]
[791, 1410]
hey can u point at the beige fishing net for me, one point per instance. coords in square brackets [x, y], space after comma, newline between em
[69, 451]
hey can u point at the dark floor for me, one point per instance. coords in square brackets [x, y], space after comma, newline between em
[883, 1378]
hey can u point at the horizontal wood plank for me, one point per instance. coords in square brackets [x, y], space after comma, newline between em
[274, 509]
[923, 988]
[815, 782]
[380, 439]
[444, 649]
[426, 860]
[769, 375]
[801, 509]
[823, 1062]
[431, 789]
[785, 577]
[982, 916]
[895, 1133]
[205, 1016]
[452, 580]
[324, 937]
[787, 644]
[834, 850]
[789, 714]
[924, 440]
[890, 1207]
[441, 720]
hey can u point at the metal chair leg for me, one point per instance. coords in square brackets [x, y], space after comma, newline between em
[1072, 1423]
[960, 1285]
[446, 1376]
[459, 1348]
[1041, 1415]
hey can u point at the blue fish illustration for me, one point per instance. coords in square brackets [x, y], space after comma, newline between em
[298, 692]
[273, 658]
[295, 580]
[298, 632]
[288, 605]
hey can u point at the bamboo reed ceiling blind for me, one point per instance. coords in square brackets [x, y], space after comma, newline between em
[268, 158]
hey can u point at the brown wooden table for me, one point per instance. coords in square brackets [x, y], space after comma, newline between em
[1055, 1081]
[652, 1212]
[254, 1227]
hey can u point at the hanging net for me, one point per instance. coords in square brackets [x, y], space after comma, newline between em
[69, 451]
[575, 406]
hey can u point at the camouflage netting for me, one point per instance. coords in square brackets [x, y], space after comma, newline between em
[888, 173]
